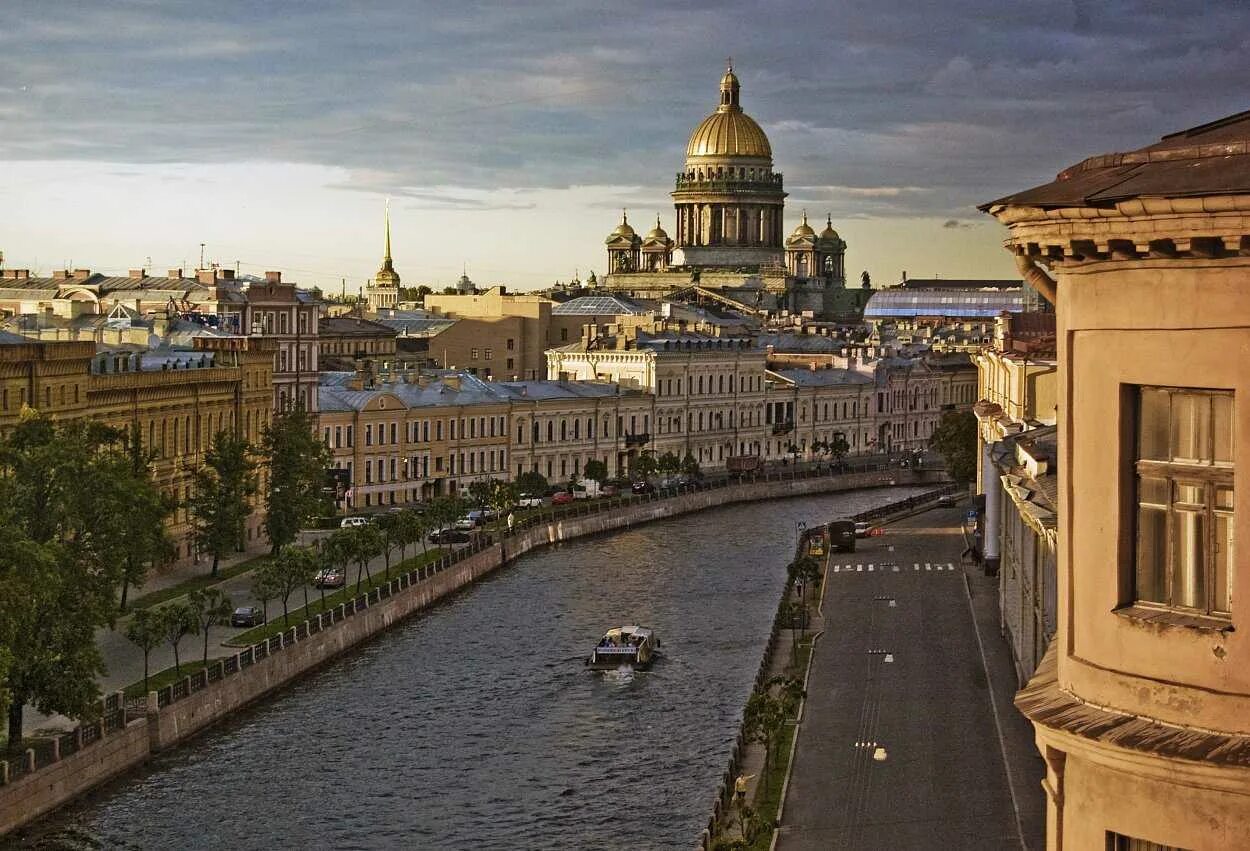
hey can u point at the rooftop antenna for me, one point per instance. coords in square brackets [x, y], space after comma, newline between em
[201, 266]
[343, 281]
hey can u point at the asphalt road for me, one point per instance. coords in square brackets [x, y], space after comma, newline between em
[899, 747]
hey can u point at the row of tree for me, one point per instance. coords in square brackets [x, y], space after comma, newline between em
[82, 521]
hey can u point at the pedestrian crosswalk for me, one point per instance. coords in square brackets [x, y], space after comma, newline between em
[893, 567]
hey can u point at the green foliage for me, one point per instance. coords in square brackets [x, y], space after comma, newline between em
[480, 492]
[177, 620]
[141, 541]
[595, 470]
[668, 464]
[955, 439]
[221, 496]
[532, 482]
[690, 467]
[366, 544]
[60, 561]
[146, 630]
[210, 607]
[297, 461]
[838, 447]
[265, 583]
[644, 465]
[292, 568]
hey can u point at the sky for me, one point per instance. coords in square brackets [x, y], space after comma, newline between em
[510, 135]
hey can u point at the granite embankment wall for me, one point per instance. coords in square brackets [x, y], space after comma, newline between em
[96, 752]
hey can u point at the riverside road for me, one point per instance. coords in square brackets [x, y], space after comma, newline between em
[476, 725]
[900, 746]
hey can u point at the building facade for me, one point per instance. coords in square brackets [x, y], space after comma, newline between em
[1141, 707]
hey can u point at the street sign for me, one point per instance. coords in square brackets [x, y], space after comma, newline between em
[971, 515]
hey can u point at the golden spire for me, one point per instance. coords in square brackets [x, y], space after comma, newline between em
[386, 216]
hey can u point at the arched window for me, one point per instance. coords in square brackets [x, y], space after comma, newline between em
[563, 430]
[551, 431]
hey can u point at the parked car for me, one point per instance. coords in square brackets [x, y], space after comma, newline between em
[529, 500]
[449, 536]
[330, 577]
[842, 535]
[610, 490]
[353, 522]
[581, 493]
[862, 528]
[247, 616]
[470, 521]
[561, 498]
[948, 499]
[642, 487]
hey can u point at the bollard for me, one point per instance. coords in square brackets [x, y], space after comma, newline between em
[30, 759]
[77, 739]
[56, 749]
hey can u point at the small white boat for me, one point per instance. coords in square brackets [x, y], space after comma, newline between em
[635, 646]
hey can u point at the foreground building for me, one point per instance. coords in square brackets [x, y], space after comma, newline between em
[1142, 705]
[178, 399]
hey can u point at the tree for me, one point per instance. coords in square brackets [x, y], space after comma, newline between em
[388, 529]
[480, 492]
[502, 499]
[838, 447]
[141, 511]
[532, 482]
[58, 576]
[265, 585]
[806, 570]
[668, 464]
[210, 607]
[794, 614]
[762, 721]
[366, 545]
[221, 496]
[293, 567]
[596, 471]
[146, 630]
[178, 621]
[644, 465]
[955, 439]
[409, 529]
[690, 467]
[297, 459]
[336, 551]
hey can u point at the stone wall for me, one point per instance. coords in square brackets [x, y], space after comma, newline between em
[285, 659]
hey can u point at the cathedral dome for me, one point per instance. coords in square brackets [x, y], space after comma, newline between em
[657, 232]
[803, 230]
[829, 232]
[624, 229]
[729, 132]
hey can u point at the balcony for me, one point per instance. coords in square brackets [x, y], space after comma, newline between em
[783, 428]
[639, 439]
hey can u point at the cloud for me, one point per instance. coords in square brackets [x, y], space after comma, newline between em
[955, 224]
[902, 109]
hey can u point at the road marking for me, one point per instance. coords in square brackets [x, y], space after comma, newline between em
[915, 566]
[835, 568]
[870, 568]
[859, 568]
[896, 568]
[928, 566]
[950, 566]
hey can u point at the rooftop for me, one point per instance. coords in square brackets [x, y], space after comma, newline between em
[965, 303]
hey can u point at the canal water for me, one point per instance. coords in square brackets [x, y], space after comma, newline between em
[476, 725]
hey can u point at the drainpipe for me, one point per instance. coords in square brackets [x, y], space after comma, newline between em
[1037, 277]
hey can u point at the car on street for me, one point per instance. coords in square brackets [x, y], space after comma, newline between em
[948, 499]
[353, 522]
[470, 521]
[561, 498]
[842, 535]
[529, 500]
[247, 616]
[449, 536]
[330, 577]
[642, 487]
[863, 529]
[610, 490]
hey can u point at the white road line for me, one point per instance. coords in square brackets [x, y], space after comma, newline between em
[950, 566]
[859, 568]
[928, 566]
[835, 568]
[870, 568]
[896, 568]
[915, 566]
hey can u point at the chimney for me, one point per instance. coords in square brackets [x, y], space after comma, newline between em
[273, 277]
[137, 273]
[904, 276]
[227, 274]
[82, 274]
[61, 275]
[206, 276]
[452, 381]
[174, 273]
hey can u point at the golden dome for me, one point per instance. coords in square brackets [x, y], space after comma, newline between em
[657, 232]
[829, 232]
[729, 132]
[624, 228]
[804, 229]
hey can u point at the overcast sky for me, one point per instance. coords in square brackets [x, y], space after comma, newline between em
[510, 134]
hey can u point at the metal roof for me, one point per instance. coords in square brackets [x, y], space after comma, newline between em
[599, 305]
[964, 303]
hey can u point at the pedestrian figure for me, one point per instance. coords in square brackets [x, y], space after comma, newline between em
[511, 521]
[740, 789]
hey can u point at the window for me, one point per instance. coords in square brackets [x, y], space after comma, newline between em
[489, 354]
[1118, 842]
[472, 354]
[511, 344]
[394, 433]
[368, 435]
[1184, 496]
[511, 363]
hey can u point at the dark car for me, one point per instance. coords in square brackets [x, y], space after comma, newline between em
[247, 616]
[331, 577]
[842, 535]
[449, 536]
[642, 487]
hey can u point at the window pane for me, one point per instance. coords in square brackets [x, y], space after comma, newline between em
[1223, 561]
[1222, 421]
[1224, 498]
[1151, 553]
[1191, 493]
[1191, 427]
[1153, 425]
[1188, 566]
[1153, 491]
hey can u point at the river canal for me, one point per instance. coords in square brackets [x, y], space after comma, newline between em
[475, 725]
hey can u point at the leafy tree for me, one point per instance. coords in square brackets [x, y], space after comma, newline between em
[58, 574]
[388, 529]
[265, 585]
[690, 467]
[210, 607]
[644, 465]
[293, 567]
[596, 471]
[955, 439]
[668, 464]
[336, 551]
[763, 721]
[532, 482]
[794, 613]
[147, 631]
[297, 460]
[838, 446]
[221, 496]
[178, 620]
[480, 492]
[409, 529]
[142, 511]
[366, 544]
[804, 569]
